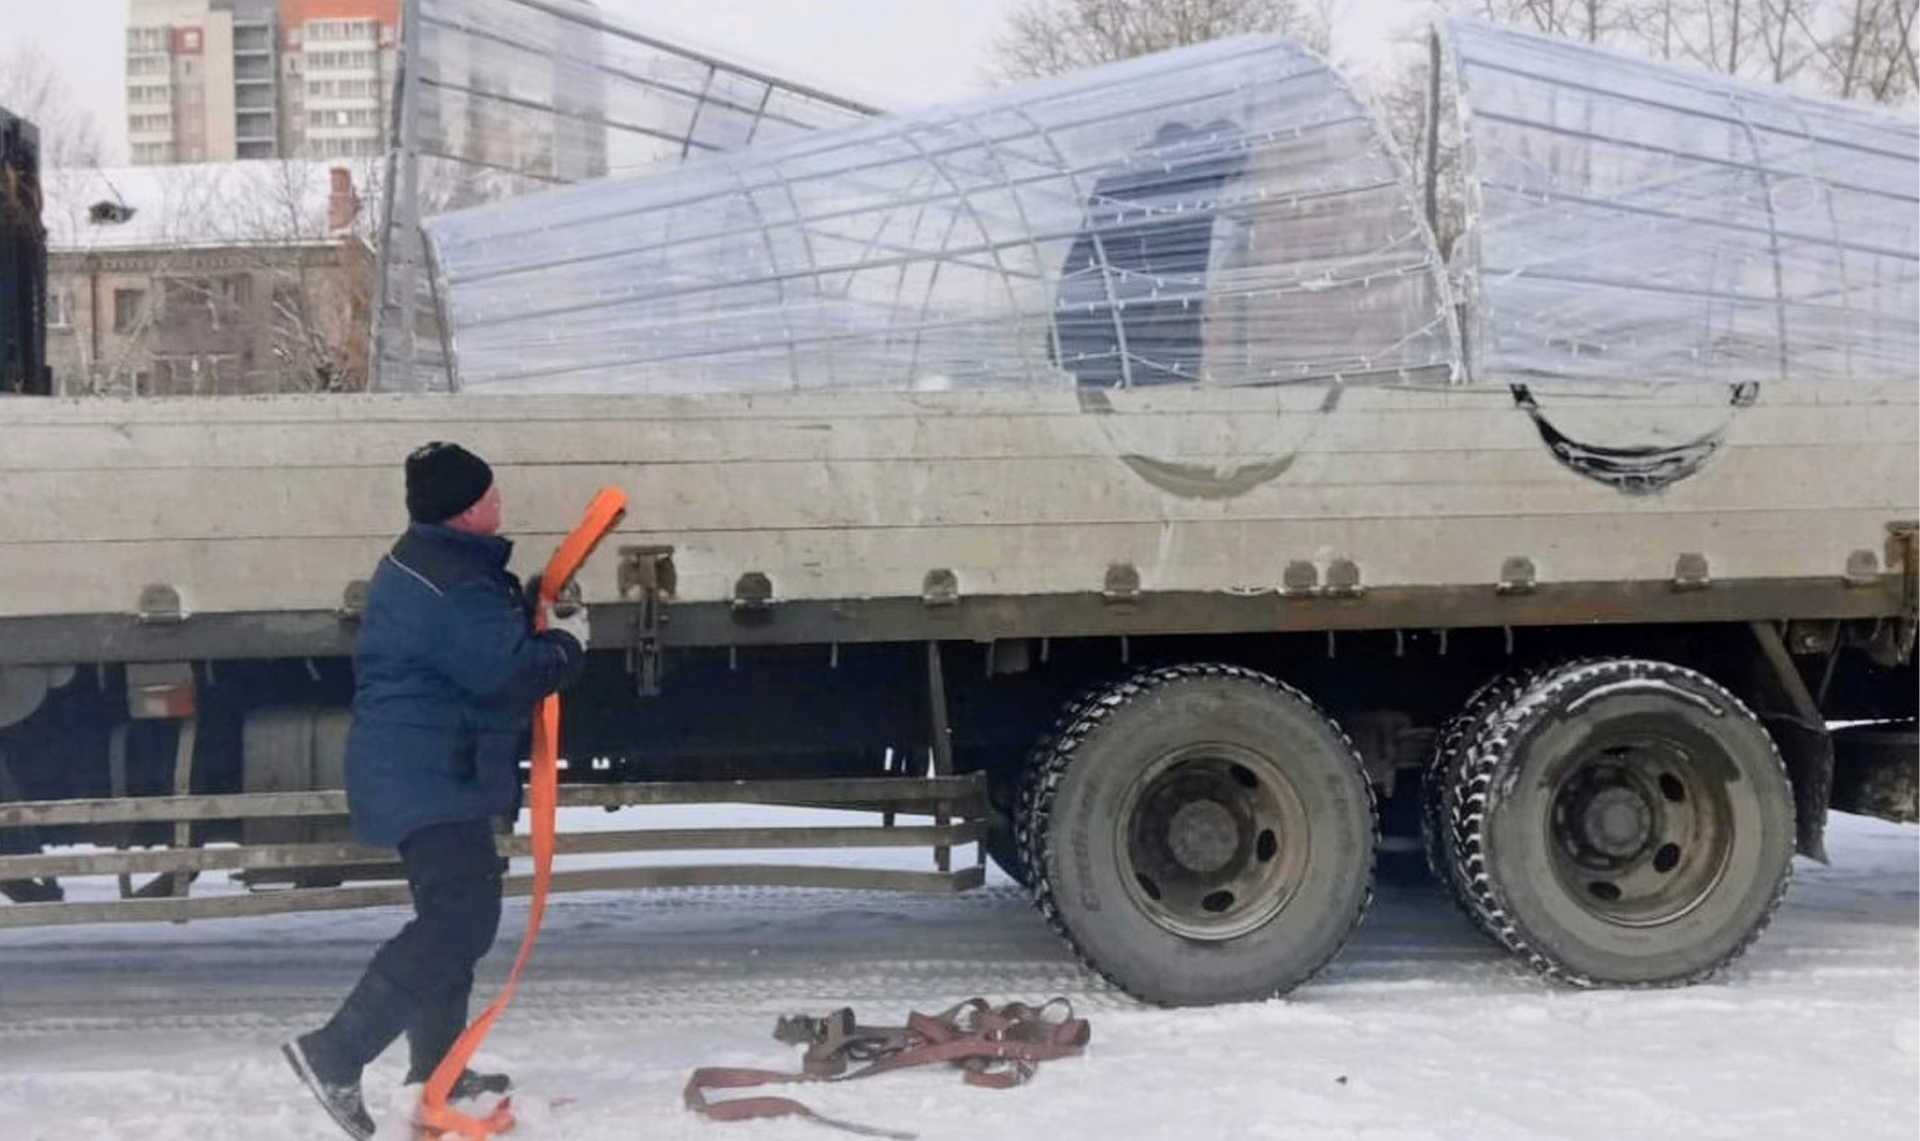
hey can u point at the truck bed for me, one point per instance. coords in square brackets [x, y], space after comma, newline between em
[274, 505]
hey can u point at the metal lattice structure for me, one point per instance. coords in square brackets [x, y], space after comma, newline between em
[1634, 221]
[499, 98]
[1227, 214]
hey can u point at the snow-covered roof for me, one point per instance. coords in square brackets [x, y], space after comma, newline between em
[200, 206]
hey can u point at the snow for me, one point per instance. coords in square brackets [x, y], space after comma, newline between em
[1419, 1030]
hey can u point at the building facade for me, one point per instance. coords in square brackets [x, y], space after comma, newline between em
[209, 279]
[219, 80]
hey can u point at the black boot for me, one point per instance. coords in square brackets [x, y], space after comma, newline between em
[432, 1032]
[337, 1090]
[330, 1059]
[470, 1084]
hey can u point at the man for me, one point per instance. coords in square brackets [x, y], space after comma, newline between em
[447, 671]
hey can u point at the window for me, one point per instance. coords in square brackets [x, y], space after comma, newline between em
[235, 292]
[340, 89]
[192, 41]
[339, 61]
[129, 309]
[357, 117]
[59, 309]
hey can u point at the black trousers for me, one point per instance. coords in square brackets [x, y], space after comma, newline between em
[420, 981]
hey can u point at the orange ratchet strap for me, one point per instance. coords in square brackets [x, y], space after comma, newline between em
[437, 1118]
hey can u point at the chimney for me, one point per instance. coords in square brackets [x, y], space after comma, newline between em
[343, 205]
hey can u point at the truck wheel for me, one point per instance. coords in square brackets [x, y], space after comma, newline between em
[1622, 822]
[1003, 830]
[1200, 834]
[1450, 752]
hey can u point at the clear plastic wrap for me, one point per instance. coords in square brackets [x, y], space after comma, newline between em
[504, 97]
[1635, 221]
[1227, 214]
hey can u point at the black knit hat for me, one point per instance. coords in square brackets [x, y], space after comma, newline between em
[443, 480]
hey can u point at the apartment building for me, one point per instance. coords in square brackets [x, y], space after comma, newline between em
[218, 80]
[337, 75]
[209, 278]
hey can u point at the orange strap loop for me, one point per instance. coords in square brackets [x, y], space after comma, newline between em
[543, 792]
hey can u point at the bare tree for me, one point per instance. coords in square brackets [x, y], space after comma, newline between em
[1047, 37]
[1590, 21]
[1856, 49]
[32, 88]
[248, 281]
[319, 306]
[1869, 53]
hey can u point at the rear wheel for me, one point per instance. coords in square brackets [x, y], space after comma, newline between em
[1622, 822]
[1443, 774]
[1199, 834]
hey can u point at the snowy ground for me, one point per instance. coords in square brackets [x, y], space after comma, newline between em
[1418, 1030]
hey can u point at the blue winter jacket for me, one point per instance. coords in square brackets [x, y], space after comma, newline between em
[447, 671]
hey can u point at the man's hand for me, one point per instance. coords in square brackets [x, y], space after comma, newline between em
[569, 619]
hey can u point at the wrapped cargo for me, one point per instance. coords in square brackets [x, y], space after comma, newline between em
[1227, 215]
[1628, 220]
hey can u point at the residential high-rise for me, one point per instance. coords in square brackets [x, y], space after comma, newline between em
[180, 87]
[336, 75]
[213, 80]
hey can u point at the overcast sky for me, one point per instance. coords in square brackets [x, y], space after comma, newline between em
[893, 52]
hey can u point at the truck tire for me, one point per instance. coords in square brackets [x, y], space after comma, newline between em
[1200, 834]
[1622, 822]
[1003, 831]
[1450, 753]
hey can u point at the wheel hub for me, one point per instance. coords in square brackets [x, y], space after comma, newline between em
[1203, 836]
[1640, 834]
[1213, 836]
[1617, 822]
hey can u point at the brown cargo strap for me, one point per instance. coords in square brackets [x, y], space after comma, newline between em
[995, 1046]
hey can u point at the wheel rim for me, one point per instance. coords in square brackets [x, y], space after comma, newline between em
[1214, 840]
[1641, 830]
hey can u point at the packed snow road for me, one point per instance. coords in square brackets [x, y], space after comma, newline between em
[1420, 1029]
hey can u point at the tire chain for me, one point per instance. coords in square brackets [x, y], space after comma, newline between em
[1055, 752]
[1471, 797]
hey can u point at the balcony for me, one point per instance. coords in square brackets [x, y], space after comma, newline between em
[252, 39]
[254, 125]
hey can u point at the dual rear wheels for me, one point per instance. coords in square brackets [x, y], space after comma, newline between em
[1204, 833]
[1615, 822]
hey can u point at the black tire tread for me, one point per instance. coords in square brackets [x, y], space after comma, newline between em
[1450, 752]
[1469, 798]
[1057, 751]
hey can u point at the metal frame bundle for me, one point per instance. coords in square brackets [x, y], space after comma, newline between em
[1227, 214]
[1629, 220]
[502, 97]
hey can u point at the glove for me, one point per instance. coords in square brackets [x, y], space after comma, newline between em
[573, 622]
